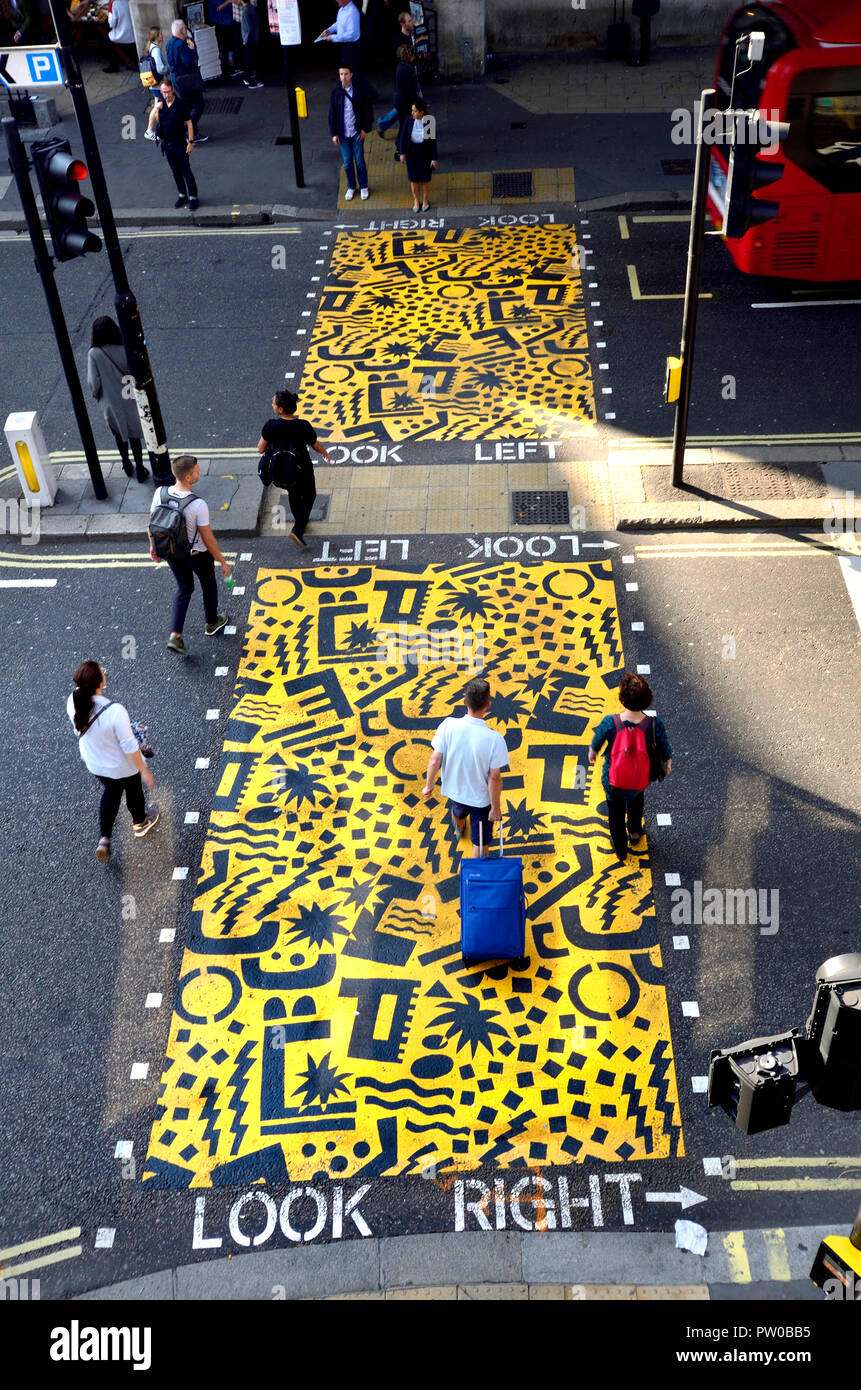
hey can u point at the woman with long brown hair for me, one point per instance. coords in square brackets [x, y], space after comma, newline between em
[111, 752]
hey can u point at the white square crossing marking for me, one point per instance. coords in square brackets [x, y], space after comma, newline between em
[221, 670]
[632, 588]
[635, 627]
[681, 943]
[139, 1071]
[124, 1149]
[192, 817]
[690, 1008]
[611, 415]
[167, 934]
[644, 670]
[213, 713]
[105, 1238]
[712, 1167]
[673, 880]
[230, 631]
[239, 589]
[180, 873]
[153, 1001]
[597, 323]
[201, 763]
[603, 366]
[700, 1084]
[246, 555]
[628, 559]
[606, 390]
[664, 818]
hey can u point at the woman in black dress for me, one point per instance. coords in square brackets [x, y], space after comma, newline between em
[417, 149]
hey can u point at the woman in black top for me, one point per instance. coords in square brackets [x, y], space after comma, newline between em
[406, 90]
[292, 435]
[417, 149]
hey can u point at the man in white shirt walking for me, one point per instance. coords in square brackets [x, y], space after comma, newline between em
[347, 31]
[472, 757]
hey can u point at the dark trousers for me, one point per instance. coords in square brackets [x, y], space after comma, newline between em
[350, 55]
[249, 59]
[184, 571]
[229, 40]
[113, 795]
[301, 501]
[645, 37]
[124, 444]
[620, 809]
[180, 167]
[195, 103]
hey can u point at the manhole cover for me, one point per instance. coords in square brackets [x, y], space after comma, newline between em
[516, 185]
[677, 166]
[539, 508]
[224, 106]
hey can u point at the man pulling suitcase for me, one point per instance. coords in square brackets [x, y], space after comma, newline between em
[471, 757]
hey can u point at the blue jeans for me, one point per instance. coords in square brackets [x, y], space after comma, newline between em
[352, 149]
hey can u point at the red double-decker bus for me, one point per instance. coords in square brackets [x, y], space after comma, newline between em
[809, 75]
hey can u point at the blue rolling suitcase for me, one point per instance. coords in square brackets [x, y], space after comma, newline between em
[492, 908]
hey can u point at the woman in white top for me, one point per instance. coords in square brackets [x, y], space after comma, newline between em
[122, 35]
[111, 752]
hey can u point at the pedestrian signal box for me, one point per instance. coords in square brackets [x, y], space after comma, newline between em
[673, 380]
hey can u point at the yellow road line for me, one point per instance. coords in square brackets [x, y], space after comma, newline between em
[777, 1255]
[736, 1253]
[800, 1185]
[660, 441]
[853, 1161]
[624, 233]
[271, 229]
[71, 1234]
[760, 552]
[40, 1262]
[662, 217]
[636, 292]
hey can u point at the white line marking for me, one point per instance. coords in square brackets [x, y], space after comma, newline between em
[597, 323]
[239, 588]
[230, 632]
[628, 559]
[681, 943]
[644, 670]
[595, 304]
[664, 818]
[27, 583]
[632, 588]
[611, 415]
[606, 390]
[192, 817]
[201, 763]
[153, 1001]
[105, 1238]
[294, 353]
[603, 366]
[712, 1167]
[673, 880]
[180, 873]
[600, 345]
[699, 1084]
[690, 1008]
[167, 934]
[246, 555]
[638, 627]
[139, 1071]
[804, 303]
[212, 714]
[301, 332]
[124, 1148]
[221, 670]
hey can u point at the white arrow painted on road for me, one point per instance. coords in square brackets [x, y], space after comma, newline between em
[600, 545]
[684, 1195]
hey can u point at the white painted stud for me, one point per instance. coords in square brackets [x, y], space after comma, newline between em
[606, 390]
[301, 332]
[294, 353]
[690, 1008]
[611, 415]
[230, 631]
[597, 323]
[105, 1238]
[699, 1084]
[320, 262]
[306, 313]
[180, 873]
[673, 880]
[315, 277]
[628, 559]
[603, 366]
[213, 713]
[644, 670]
[167, 934]
[153, 1001]
[239, 588]
[587, 236]
[139, 1071]
[595, 304]
[600, 345]
[221, 670]
[124, 1149]
[288, 376]
[681, 943]
[631, 588]
[664, 818]
[712, 1167]
[312, 294]
[201, 763]
[192, 817]
[635, 627]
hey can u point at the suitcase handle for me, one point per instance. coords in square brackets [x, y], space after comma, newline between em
[481, 837]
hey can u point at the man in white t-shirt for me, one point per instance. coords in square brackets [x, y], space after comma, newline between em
[472, 757]
[205, 551]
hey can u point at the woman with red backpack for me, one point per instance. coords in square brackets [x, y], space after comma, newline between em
[638, 752]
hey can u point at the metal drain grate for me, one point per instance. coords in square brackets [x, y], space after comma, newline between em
[677, 166]
[517, 185]
[539, 508]
[224, 106]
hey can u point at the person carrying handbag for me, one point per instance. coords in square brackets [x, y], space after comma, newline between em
[638, 752]
[111, 751]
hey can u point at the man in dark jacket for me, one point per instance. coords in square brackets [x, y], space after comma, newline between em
[351, 116]
[181, 54]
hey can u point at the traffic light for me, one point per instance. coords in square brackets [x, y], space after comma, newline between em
[755, 1081]
[66, 209]
[748, 173]
[834, 1031]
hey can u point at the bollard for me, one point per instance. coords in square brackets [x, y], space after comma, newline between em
[30, 454]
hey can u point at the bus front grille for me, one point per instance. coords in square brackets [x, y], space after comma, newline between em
[796, 251]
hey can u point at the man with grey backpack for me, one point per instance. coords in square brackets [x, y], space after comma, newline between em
[180, 533]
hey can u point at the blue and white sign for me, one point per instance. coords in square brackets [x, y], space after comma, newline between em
[30, 67]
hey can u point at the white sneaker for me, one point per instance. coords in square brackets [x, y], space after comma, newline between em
[350, 193]
[149, 135]
[364, 193]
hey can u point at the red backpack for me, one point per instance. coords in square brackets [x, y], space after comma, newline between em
[629, 760]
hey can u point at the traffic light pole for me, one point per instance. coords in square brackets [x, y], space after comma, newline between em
[19, 165]
[128, 316]
[295, 139]
[692, 287]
